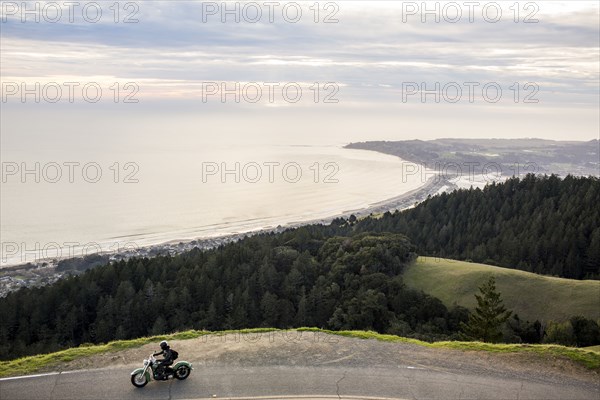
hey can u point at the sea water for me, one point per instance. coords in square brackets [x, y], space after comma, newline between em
[63, 206]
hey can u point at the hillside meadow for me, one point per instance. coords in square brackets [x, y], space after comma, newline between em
[529, 295]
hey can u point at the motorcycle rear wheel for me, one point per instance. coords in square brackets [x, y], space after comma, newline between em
[139, 380]
[182, 372]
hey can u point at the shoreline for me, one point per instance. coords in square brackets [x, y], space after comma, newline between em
[47, 271]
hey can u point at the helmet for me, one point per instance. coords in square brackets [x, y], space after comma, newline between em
[164, 345]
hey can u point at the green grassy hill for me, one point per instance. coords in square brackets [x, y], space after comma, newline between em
[530, 295]
[593, 348]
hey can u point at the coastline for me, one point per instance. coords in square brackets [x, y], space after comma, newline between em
[43, 272]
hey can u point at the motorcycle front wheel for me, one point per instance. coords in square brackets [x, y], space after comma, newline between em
[139, 380]
[182, 372]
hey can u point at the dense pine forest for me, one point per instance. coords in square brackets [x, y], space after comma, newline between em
[545, 225]
[345, 275]
[297, 278]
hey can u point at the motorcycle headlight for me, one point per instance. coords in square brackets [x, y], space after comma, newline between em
[145, 363]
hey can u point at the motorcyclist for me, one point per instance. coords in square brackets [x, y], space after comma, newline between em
[163, 365]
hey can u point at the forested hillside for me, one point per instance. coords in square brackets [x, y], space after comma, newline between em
[545, 225]
[298, 278]
[345, 275]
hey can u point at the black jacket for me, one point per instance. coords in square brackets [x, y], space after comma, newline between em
[167, 355]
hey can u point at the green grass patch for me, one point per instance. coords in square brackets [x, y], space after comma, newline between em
[31, 364]
[526, 294]
[593, 348]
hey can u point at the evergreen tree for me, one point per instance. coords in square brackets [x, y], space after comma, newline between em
[159, 327]
[485, 323]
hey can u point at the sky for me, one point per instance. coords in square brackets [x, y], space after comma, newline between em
[365, 71]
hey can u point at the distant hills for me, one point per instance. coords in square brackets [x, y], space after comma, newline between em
[515, 156]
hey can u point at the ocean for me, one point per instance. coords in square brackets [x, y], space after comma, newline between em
[64, 206]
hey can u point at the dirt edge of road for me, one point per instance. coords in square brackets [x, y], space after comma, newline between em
[306, 349]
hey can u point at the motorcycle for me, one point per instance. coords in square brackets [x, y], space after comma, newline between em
[141, 376]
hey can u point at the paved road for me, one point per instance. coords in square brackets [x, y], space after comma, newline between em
[278, 382]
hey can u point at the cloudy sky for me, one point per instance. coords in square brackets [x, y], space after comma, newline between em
[377, 57]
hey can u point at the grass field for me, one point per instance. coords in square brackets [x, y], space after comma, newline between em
[530, 295]
[593, 348]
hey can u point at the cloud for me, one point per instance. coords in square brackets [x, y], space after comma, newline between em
[370, 52]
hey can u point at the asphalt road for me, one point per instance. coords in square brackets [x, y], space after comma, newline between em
[280, 382]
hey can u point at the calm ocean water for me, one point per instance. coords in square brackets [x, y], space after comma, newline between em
[66, 206]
